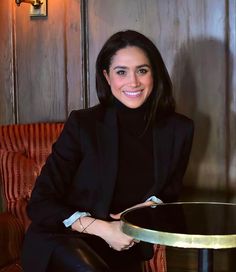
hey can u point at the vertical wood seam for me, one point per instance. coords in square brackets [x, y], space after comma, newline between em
[84, 54]
[227, 101]
[15, 103]
[66, 61]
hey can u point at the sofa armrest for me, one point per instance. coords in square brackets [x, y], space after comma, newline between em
[11, 238]
[158, 262]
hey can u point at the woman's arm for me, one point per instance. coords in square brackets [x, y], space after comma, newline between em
[173, 188]
[46, 206]
[108, 231]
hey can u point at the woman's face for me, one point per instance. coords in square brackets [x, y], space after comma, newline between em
[130, 76]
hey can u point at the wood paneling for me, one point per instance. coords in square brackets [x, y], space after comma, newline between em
[6, 64]
[118, 15]
[199, 78]
[232, 95]
[44, 55]
[40, 64]
[73, 51]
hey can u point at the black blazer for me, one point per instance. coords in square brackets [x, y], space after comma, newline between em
[80, 173]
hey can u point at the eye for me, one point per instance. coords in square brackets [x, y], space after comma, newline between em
[142, 71]
[121, 72]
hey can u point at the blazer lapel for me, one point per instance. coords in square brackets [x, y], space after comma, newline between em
[107, 135]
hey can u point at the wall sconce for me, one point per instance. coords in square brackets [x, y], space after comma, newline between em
[38, 7]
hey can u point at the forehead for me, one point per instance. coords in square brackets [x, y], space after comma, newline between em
[130, 56]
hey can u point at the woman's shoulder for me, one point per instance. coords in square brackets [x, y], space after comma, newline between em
[88, 114]
[183, 123]
[178, 120]
[82, 119]
[181, 118]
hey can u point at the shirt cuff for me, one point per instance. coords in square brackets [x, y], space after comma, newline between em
[69, 221]
[154, 199]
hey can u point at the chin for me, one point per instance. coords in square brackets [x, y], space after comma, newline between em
[133, 105]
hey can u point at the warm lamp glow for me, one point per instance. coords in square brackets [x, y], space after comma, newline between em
[38, 7]
[35, 3]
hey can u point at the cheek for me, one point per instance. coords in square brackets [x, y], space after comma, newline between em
[116, 83]
[148, 81]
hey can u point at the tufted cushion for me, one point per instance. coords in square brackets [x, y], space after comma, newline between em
[23, 150]
[12, 138]
[15, 267]
[40, 138]
[11, 237]
[18, 174]
[32, 140]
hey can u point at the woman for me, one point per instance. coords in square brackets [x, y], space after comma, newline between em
[131, 148]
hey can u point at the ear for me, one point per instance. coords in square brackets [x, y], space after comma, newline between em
[106, 76]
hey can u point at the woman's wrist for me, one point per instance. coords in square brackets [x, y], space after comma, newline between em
[90, 225]
[82, 223]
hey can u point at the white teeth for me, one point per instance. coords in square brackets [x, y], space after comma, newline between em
[132, 93]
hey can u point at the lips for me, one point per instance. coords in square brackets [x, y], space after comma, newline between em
[133, 93]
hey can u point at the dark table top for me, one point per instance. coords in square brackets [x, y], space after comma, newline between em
[186, 224]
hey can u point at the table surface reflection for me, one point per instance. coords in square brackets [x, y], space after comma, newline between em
[186, 224]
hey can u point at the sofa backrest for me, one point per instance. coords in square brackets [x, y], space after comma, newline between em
[23, 151]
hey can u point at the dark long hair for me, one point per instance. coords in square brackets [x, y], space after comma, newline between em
[162, 103]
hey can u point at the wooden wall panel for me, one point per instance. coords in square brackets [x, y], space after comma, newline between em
[192, 37]
[232, 95]
[40, 64]
[6, 64]
[73, 51]
[117, 15]
[199, 79]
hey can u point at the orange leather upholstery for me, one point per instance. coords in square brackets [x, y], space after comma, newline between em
[23, 151]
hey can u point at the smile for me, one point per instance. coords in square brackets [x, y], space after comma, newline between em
[133, 93]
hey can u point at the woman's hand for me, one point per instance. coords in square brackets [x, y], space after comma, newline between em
[109, 231]
[115, 238]
[143, 204]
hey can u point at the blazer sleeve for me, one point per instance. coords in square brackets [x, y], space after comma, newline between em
[47, 206]
[172, 190]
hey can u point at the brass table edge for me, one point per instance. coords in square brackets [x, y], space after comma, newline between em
[179, 239]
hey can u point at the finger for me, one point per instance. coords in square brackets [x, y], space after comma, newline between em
[128, 246]
[115, 216]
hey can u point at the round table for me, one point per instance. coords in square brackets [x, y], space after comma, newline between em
[202, 225]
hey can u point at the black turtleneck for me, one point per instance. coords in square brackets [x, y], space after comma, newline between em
[135, 164]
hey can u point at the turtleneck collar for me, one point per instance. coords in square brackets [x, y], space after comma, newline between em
[121, 108]
[132, 120]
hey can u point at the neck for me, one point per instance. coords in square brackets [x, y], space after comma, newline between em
[123, 108]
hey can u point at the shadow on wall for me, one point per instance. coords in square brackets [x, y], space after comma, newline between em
[202, 78]
[202, 83]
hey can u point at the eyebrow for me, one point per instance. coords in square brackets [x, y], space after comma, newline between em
[139, 66]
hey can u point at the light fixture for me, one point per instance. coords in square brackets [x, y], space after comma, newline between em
[38, 7]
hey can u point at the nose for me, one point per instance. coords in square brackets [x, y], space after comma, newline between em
[134, 81]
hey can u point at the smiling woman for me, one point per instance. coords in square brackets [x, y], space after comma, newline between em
[131, 149]
[130, 76]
